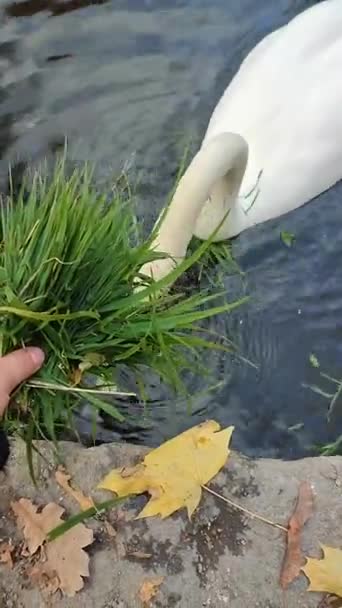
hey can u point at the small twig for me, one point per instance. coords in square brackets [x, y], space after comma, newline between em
[75, 389]
[250, 513]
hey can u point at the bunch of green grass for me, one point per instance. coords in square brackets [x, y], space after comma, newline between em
[69, 257]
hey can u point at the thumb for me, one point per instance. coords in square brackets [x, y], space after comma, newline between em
[15, 368]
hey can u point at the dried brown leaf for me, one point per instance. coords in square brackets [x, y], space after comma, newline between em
[6, 550]
[66, 558]
[110, 529]
[76, 376]
[294, 558]
[63, 479]
[35, 526]
[48, 585]
[149, 589]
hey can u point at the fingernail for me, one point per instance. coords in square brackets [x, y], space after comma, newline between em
[37, 355]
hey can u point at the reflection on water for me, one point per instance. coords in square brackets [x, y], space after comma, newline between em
[129, 82]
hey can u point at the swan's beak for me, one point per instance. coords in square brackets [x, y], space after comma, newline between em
[156, 270]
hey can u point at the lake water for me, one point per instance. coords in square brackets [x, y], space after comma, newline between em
[129, 82]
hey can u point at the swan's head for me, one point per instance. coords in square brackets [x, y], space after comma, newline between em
[156, 270]
[206, 192]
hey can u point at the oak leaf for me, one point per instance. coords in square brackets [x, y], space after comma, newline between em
[325, 574]
[48, 584]
[294, 558]
[35, 526]
[174, 473]
[64, 557]
[149, 589]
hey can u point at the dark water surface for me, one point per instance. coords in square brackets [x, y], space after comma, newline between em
[129, 83]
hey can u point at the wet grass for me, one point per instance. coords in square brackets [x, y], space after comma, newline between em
[334, 398]
[68, 261]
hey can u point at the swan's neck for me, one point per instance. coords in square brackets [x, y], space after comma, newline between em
[213, 177]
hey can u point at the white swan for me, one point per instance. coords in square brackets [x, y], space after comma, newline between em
[273, 143]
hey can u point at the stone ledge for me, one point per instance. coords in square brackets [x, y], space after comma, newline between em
[221, 559]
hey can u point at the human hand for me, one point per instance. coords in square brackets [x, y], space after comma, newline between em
[15, 368]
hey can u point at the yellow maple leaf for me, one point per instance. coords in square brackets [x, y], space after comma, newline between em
[325, 574]
[174, 473]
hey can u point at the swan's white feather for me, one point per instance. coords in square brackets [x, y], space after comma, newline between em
[286, 101]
